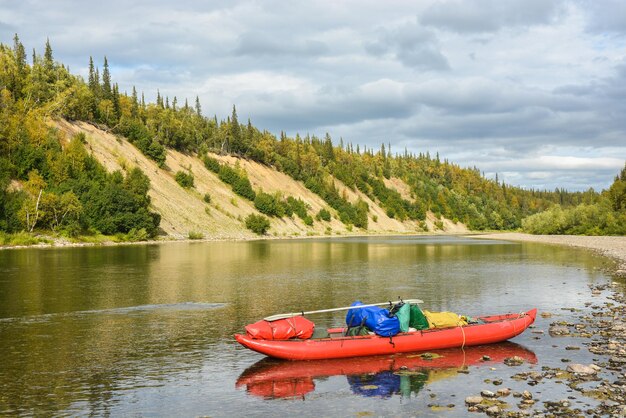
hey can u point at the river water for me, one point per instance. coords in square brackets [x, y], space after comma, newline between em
[147, 330]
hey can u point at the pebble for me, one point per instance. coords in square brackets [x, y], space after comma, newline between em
[473, 400]
[487, 394]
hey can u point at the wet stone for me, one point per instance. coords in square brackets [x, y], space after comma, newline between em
[493, 410]
[581, 369]
[513, 361]
[559, 330]
[503, 392]
[487, 394]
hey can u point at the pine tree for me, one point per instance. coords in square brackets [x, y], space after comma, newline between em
[174, 103]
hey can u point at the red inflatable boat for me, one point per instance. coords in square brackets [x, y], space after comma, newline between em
[491, 329]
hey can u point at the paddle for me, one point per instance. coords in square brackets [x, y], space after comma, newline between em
[345, 308]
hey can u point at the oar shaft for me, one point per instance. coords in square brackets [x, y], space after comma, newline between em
[345, 308]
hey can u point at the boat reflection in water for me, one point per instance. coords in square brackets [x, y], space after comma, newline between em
[380, 376]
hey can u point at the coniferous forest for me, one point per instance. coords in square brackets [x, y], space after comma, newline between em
[52, 184]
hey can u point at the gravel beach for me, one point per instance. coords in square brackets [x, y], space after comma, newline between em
[614, 247]
[602, 332]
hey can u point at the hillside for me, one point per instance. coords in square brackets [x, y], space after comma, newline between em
[79, 158]
[183, 211]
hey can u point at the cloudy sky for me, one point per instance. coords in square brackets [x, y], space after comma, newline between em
[534, 90]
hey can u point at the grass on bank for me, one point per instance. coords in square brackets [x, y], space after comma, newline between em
[24, 238]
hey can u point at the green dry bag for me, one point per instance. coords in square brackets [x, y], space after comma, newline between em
[418, 320]
[404, 316]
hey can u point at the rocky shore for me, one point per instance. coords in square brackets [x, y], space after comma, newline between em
[601, 330]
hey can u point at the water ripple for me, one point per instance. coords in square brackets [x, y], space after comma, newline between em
[165, 307]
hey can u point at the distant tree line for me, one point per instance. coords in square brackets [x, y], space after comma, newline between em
[49, 184]
[607, 216]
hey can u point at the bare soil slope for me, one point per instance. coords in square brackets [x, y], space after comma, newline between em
[184, 210]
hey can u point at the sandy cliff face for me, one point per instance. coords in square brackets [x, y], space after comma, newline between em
[184, 210]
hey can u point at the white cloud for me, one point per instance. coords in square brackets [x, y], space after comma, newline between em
[532, 89]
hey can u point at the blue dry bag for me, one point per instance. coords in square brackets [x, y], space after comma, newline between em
[375, 318]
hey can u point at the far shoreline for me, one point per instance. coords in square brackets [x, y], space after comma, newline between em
[60, 242]
[613, 247]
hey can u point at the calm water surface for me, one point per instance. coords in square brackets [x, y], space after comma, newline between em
[147, 330]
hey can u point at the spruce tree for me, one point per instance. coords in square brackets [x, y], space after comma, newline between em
[47, 58]
[135, 105]
[116, 101]
[93, 83]
[235, 133]
[22, 69]
[20, 54]
[106, 80]
[198, 109]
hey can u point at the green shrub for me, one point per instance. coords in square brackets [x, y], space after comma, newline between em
[297, 206]
[323, 215]
[308, 220]
[243, 188]
[228, 175]
[195, 235]
[184, 179]
[258, 224]
[211, 164]
[207, 198]
[269, 205]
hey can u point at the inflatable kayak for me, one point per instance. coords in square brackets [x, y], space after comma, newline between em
[271, 378]
[490, 329]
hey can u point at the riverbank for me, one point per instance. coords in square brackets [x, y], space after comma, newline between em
[609, 246]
